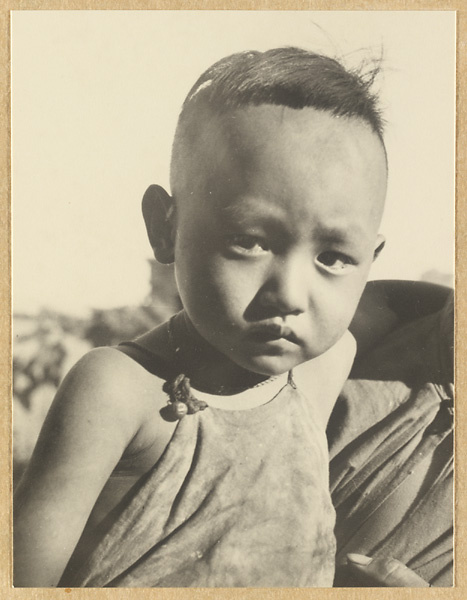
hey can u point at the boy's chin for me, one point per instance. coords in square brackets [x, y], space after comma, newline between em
[270, 366]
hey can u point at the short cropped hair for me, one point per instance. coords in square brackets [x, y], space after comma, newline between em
[289, 76]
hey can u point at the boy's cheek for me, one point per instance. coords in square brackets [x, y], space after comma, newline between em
[338, 309]
[211, 292]
[233, 277]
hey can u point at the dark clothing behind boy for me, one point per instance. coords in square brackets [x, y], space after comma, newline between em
[391, 448]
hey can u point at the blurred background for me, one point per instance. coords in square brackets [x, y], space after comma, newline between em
[95, 100]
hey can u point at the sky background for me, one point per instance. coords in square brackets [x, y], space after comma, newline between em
[95, 100]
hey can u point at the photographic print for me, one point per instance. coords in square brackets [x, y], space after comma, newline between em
[233, 305]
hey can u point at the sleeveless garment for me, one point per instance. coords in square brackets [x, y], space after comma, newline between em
[238, 498]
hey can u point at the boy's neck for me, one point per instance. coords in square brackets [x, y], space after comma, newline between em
[208, 369]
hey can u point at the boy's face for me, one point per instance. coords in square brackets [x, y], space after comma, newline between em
[276, 231]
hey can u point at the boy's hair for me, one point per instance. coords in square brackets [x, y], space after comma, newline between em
[291, 77]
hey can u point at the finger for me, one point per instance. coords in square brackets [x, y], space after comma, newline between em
[386, 572]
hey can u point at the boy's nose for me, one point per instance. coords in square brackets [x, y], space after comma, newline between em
[287, 287]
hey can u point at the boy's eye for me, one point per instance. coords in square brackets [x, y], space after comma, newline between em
[248, 244]
[335, 262]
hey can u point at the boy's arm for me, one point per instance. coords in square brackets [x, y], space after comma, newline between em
[92, 420]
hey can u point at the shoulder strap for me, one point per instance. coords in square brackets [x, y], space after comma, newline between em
[150, 361]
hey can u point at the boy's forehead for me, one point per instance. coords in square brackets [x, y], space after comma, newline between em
[286, 164]
[233, 144]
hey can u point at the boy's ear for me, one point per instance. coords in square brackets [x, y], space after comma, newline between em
[159, 216]
[380, 243]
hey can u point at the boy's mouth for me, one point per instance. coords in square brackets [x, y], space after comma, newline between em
[269, 332]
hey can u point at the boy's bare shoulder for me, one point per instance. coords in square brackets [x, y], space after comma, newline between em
[108, 367]
[109, 373]
[106, 381]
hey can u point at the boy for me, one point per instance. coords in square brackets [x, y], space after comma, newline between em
[278, 181]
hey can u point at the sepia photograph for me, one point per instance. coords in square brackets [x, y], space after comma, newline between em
[233, 298]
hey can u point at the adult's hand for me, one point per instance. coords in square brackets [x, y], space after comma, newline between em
[383, 572]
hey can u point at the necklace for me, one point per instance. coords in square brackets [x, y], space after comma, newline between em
[181, 399]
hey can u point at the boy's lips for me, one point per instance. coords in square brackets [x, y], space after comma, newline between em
[269, 332]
